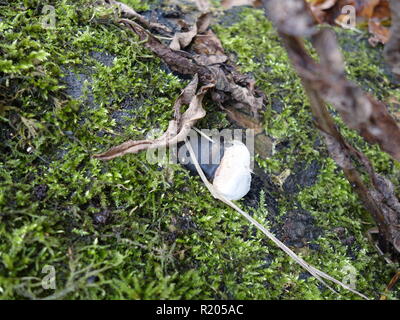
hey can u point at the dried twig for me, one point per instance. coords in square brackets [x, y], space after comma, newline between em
[325, 82]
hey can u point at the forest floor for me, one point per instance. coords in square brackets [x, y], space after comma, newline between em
[129, 229]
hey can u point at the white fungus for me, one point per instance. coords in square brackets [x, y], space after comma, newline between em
[233, 176]
[226, 165]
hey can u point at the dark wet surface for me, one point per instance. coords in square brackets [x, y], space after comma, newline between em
[302, 176]
[102, 217]
[164, 17]
[75, 84]
[103, 57]
[231, 16]
[78, 86]
[208, 155]
[6, 133]
[277, 105]
[298, 229]
[78, 83]
[182, 224]
[262, 182]
[93, 279]
[40, 191]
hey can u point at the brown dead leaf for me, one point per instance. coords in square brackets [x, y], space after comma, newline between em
[382, 10]
[208, 43]
[373, 12]
[240, 97]
[380, 34]
[330, 10]
[178, 61]
[365, 8]
[182, 39]
[178, 128]
[223, 78]
[319, 9]
[323, 4]
[245, 97]
[208, 60]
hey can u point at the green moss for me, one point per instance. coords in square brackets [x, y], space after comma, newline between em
[138, 5]
[165, 236]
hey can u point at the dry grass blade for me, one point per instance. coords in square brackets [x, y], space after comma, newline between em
[319, 275]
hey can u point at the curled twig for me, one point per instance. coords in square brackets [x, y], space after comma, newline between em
[325, 82]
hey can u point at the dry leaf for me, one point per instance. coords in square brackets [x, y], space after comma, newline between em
[178, 128]
[182, 39]
[208, 60]
[208, 43]
[319, 9]
[372, 12]
[380, 34]
[178, 61]
[238, 90]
